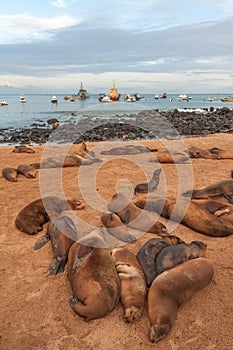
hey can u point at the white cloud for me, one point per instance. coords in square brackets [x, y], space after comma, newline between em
[27, 26]
[59, 3]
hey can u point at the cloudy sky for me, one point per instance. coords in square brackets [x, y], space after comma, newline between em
[145, 45]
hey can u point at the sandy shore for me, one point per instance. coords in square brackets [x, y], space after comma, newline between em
[35, 312]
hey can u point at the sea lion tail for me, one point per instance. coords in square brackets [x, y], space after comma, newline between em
[41, 242]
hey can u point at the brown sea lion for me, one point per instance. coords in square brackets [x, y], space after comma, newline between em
[168, 157]
[149, 186]
[173, 288]
[26, 170]
[23, 149]
[32, 217]
[174, 255]
[232, 173]
[216, 188]
[133, 283]
[195, 217]
[94, 281]
[129, 149]
[221, 153]
[148, 253]
[217, 207]
[61, 231]
[196, 152]
[134, 217]
[10, 174]
[84, 151]
[116, 227]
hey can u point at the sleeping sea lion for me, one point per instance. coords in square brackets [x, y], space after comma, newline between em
[94, 281]
[148, 253]
[174, 255]
[116, 227]
[61, 231]
[221, 153]
[171, 158]
[32, 217]
[196, 152]
[134, 217]
[220, 187]
[127, 150]
[173, 288]
[132, 283]
[149, 186]
[23, 149]
[27, 170]
[10, 174]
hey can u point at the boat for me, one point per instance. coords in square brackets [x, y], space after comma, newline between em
[162, 95]
[3, 102]
[54, 99]
[130, 98]
[22, 99]
[227, 99]
[113, 95]
[66, 98]
[184, 98]
[82, 93]
[211, 99]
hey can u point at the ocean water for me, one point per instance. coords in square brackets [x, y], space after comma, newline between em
[38, 108]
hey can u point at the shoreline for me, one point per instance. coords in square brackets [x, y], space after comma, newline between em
[147, 124]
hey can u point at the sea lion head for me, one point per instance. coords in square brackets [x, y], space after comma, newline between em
[160, 329]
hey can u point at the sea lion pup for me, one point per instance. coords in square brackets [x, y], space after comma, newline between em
[116, 227]
[174, 255]
[148, 253]
[27, 170]
[169, 157]
[62, 232]
[129, 149]
[216, 188]
[195, 217]
[132, 283]
[221, 153]
[23, 149]
[10, 174]
[173, 288]
[32, 217]
[195, 152]
[134, 217]
[149, 186]
[94, 281]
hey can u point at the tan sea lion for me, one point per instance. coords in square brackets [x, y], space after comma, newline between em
[26, 170]
[196, 152]
[134, 217]
[173, 288]
[84, 151]
[129, 149]
[174, 255]
[195, 217]
[132, 283]
[217, 207]
[168, 157]
[216, 188]
[32, 217]
[94, 281]
[10, 174]
[61, 231]
[23, 149]
[149, 251]
[116, 227]
[221, 153]
[149, 186]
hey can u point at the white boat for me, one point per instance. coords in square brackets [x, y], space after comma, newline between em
[3, 102]
[54, 99]
[184, 98]
[22, 99]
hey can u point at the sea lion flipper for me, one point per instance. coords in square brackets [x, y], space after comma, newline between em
[126, 217]
[41, 242]
[56, 266]
[82, 252]
[228, 197]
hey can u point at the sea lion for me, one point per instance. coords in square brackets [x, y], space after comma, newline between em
[26, 170]
[129, 149]
[196, 152]
[10, 174]
[132, 283]
[174, 255]
[61, 231]
[217, 207]
[195, 217]
[221, 153]
[84, 151]
[148, 253]
[94, 281]
[216, 188]
[116, 227]
[171, 158]
[23, 149]
[149, 186]
[32, 217]
[173, 288]
[134, 217]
